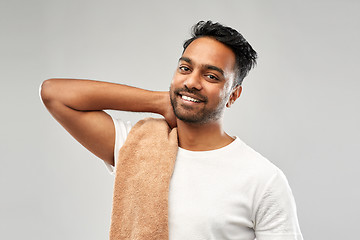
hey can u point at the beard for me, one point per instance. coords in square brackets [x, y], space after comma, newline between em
[195, 114]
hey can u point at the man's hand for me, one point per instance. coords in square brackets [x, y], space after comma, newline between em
[169, 112]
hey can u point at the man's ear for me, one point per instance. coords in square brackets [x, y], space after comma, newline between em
[235, 94]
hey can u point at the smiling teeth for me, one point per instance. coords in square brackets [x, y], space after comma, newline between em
[189, 99]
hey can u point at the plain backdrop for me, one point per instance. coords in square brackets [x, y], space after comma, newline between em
[299, 106]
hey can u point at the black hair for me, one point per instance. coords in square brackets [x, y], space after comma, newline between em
[245, 55]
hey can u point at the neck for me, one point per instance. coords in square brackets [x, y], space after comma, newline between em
[202, 137]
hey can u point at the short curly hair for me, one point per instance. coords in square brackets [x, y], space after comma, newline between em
[245, 55]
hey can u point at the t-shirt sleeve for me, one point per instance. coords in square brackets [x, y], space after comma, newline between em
[276, 216]
[122, 129]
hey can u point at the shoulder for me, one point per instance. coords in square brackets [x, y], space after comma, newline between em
[263, 175]
[254, 161]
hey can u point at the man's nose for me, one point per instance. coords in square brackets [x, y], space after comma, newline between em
[193, 81]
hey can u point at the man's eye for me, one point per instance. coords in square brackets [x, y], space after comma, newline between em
[212, 77]
[183, 68]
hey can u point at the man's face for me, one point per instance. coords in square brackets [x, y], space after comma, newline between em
[203, 81]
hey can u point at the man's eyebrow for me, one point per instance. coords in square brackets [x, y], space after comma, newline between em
[211, 67]
[188, 60]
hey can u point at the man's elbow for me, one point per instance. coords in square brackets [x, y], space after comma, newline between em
[46, 91]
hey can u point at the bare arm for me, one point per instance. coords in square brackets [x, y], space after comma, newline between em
[78, 106]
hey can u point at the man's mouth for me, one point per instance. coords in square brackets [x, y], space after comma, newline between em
[187, 98]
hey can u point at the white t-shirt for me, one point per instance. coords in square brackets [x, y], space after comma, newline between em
[228, 193]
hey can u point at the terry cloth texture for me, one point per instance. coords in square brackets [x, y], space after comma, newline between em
[143, 172]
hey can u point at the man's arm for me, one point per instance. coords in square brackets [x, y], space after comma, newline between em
[78, 106]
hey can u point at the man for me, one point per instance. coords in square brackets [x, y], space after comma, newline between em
[220, 187]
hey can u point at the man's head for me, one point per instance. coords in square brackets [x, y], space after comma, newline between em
[245, 55]
[209, 73]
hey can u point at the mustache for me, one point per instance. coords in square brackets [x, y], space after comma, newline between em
[195, 93]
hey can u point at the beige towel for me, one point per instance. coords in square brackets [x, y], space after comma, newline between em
[143, 171]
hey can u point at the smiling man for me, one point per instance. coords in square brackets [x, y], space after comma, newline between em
[220, 188]
[202, 86]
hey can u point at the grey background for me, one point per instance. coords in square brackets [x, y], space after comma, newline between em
[299, 107]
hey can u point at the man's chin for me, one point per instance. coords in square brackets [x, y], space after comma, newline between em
[189, 118]
[195, 119]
